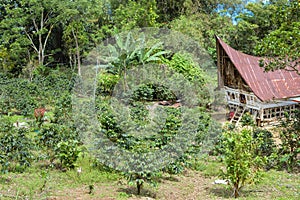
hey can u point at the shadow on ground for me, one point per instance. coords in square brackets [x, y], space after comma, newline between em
[132, 191]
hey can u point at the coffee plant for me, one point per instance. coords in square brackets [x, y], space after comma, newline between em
[52, 135]
[149, 143]
[290, 146]
[106, 83]
[247, 120]
[139, 178]
[15, 148]
[62, 111]
[67, 152]
[267, 144]
[152, 92]
[21, 96]
[240, 158]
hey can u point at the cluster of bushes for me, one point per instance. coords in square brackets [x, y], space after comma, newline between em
[278, 156]
[147, 143]
[250, 150]
[20, 147]
[56, 140]
[22, 96]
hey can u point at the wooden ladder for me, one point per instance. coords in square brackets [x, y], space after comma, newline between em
[238, 114]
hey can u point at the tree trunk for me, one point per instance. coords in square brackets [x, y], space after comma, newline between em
[41, 47]
[77, 52]
[236, 191]
[40, 53]
[139, 187]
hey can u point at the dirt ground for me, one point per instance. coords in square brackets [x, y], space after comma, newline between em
[189, 186]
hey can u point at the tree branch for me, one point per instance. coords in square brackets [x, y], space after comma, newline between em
[47, 37]
[35, 25]
[31, 41]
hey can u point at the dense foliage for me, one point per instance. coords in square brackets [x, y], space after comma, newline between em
[290, 147]
[62, 33]
[15, 148]
[242, 162]
[42, 48]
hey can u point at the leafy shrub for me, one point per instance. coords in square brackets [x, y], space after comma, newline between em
[67, 152]
[242, 164]
[177, 166]
[108, 122]
[15, 148]
[50, 136]
[290, 146]
[63, 109]
[138, 112]
[22, 96]
[18, 95]
[247, 119]
[171, 126]
[145, 92]
[106, 84]
[152, 92]
[185, 65]
[140, 178]
[267, 145]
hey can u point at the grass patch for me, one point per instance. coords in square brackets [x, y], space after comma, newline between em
[273, 185]
[14, 118]
[207, 166]
[41, 183]
[97, 182]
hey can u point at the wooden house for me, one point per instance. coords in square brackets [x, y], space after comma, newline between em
[267, 96]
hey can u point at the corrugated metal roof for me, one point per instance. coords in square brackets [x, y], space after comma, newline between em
[296, 99]
[279, 84]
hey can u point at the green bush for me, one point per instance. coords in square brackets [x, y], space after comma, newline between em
[67, 152]
[15, 148]
[247, 119]
[290, 146]
[51, 135]
[267, 145]
[185, 65]
[139, 113]
[152, 92]
[106, 83]
[63, 109]
[22, 96]
[241, 161]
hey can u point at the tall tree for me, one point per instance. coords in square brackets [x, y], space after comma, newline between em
[170, 10]
[80, 21]
[202, 27]
[258, 20]
[26, 27]
[283, 43]
[135, 14]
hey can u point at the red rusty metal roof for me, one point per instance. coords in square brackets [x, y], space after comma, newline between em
[279, 84]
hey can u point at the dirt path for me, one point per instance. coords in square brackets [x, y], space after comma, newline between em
[191, 185]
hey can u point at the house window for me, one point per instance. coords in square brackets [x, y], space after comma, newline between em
[232, 96]
[242, 99]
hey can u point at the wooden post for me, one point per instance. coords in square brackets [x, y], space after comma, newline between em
[261, 117]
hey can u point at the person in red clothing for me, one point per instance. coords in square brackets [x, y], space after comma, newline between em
[39, 114]
[231, 114]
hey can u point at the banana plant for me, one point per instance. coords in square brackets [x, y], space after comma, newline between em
[128, 52]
